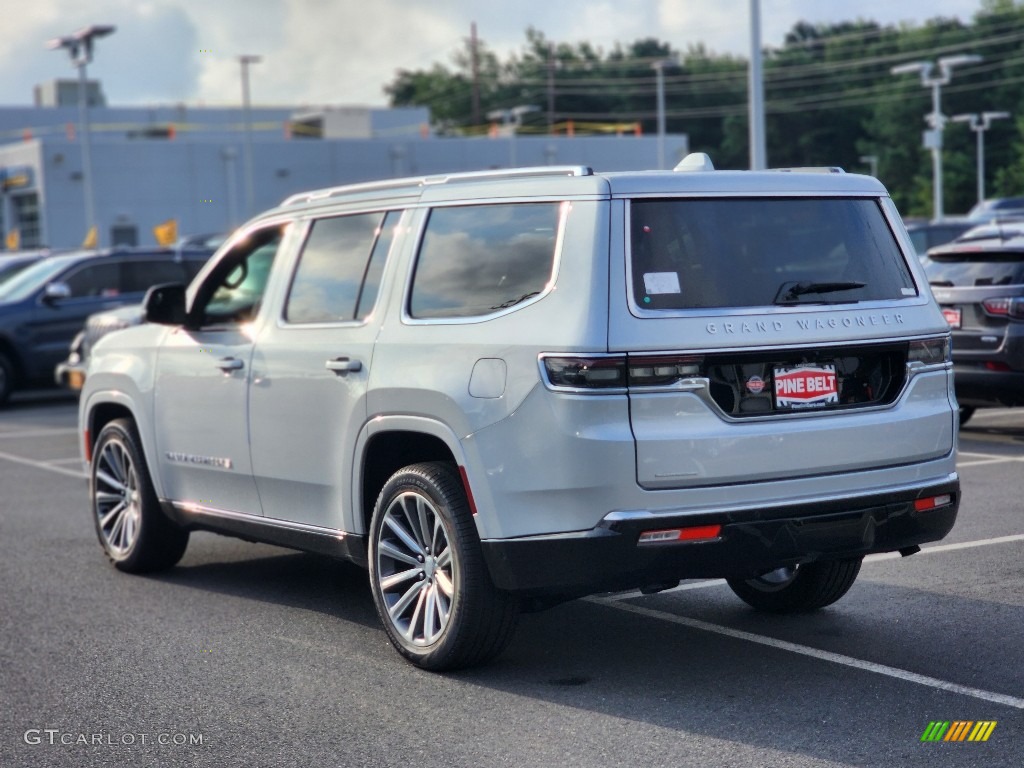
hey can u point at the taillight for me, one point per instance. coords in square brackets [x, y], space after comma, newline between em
[611, 372]
[659, 371]
[930, 351]
[933, 502]
[692, 533]
[586, 372]
[1007, 306]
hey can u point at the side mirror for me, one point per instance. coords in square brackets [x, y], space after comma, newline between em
[56, 291]
[165, 304]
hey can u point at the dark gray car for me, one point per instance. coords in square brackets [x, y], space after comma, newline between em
[979, 283]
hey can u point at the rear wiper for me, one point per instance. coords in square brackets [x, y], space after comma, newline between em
[791, 292]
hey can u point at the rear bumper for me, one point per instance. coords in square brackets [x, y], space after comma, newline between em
[752, 541]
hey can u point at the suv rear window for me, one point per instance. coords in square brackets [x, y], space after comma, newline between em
[753, 252]
[977, 266]
[477, 260]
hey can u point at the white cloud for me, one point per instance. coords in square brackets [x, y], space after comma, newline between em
[344, 51]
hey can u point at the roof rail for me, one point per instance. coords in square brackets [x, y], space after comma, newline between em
[811, 169]
[511, 173]
[444, 178]
[346, 189]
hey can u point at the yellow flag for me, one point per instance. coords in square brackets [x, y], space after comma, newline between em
[91, 238]
[166, 234]
[13, 240]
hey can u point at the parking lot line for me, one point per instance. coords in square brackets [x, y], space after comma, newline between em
[42, 465]
[984, 458]
[38, 433]
[816, 653]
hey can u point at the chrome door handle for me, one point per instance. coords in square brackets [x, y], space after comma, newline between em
[343, 365]
[230, 364]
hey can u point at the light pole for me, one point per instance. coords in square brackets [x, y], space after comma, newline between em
[659, 78]
[245, 60]
[936, 120]
[758, 143]
[79, 46]
[872, 163]
[979, 124]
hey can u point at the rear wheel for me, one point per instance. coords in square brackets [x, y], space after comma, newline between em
[133, 530]
[429, 580]
[798, 588]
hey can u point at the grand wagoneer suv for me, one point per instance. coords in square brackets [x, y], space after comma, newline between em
[501, 390]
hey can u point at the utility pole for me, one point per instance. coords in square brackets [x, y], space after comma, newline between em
[979, 124]
[475, 59]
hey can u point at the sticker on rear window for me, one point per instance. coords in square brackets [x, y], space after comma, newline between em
[661, 282]
[806, 386]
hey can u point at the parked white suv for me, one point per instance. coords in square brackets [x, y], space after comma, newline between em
[502, 390]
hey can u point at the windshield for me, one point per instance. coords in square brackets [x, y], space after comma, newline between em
[736, 252]
[29, 280]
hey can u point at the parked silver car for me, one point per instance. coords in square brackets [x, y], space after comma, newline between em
[501, 390]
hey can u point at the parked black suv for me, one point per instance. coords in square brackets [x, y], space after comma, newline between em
[979, 282]
[46, 304]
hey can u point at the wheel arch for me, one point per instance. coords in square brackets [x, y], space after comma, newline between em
[104, 408]
[386, 445]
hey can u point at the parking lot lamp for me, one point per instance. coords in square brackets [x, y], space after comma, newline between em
[245, 60]
[979, 124]
[934, 75]
[79, 46]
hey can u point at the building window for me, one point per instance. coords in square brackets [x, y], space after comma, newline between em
[25, 218]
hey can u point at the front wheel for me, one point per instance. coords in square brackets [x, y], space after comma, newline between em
[133, 530]
[429, 580]
[798, 588]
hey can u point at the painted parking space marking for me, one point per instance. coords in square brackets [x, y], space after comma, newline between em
[984, 458]
[937, 549]
[41, 465]
[816, 653]
[37, 433]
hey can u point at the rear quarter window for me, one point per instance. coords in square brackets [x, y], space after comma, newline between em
[752, 252]
[477, 260]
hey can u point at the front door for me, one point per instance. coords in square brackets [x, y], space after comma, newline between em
[202, 383]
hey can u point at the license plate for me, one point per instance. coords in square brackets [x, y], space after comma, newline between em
[806, 386]
[953, 316]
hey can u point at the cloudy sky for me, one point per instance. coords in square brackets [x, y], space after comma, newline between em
[344, 51]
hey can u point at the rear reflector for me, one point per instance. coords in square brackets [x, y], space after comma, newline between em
[693, 533]
[933, 502]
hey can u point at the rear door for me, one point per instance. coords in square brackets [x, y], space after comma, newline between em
[310, 369]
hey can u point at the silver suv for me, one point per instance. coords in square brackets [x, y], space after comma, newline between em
[502, 390]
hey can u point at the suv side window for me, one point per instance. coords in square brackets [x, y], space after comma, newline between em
[138, 276]
[233, 291]
[102, 279]
[476, 260]
[338, 259]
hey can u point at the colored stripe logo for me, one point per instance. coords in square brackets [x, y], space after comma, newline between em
[958, 730]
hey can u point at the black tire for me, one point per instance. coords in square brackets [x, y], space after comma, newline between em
[966, 411]
[134, 532]
[800, 589]
[429, 581]
[7, 377]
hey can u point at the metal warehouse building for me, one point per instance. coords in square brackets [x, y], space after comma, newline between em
[151, 165]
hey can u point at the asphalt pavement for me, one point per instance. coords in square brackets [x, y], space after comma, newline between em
[251, 655]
